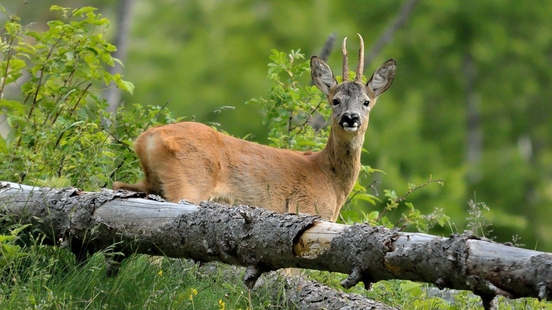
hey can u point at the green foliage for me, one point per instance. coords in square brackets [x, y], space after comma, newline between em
[413, 217]
[60, 133]
[477, 220]
[9, 250]
[290, 106]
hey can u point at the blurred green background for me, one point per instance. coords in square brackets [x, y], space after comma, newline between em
[470, 102]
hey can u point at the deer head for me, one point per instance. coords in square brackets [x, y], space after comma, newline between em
[351, 101]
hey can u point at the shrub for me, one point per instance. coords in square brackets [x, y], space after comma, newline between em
[61, 134]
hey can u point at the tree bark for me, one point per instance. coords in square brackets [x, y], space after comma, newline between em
[304, 294]
[262, 241]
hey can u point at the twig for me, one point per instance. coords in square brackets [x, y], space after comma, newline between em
[410, 191]
[413, 189]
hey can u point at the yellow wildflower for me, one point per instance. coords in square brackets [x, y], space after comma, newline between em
[222, 304]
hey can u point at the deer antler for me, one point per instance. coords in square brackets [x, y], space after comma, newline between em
[360, 68]
[345, 76]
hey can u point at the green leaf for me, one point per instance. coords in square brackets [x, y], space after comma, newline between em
[14, 70]
[19, 229]
[9, 253]
[367, 197]
[125, 85]
[57, 8]
[92, 50]
[4, 238]
[9, 250]
[390, 194]
[12, 28]
[15, 107]
[412, 287]
[83, 10]
[54, 182]
[373, 216]
[3, 146]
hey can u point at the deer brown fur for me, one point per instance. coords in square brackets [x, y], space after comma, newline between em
[192, 161]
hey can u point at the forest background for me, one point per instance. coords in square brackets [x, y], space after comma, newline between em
[470, 101]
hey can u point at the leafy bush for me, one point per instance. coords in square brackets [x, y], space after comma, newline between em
[60, 133]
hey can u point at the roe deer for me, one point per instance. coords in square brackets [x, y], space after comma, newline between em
[191, 161]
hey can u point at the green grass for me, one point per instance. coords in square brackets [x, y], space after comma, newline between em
[47, 277]
[420, 296]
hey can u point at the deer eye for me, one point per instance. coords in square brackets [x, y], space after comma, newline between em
[335, 102]
[366, 103]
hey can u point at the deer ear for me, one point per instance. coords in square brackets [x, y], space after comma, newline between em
[322, 75]
[382, 79]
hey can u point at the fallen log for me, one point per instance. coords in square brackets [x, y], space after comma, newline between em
[262, 241]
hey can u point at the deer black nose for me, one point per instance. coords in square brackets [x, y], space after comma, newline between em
[350, 121]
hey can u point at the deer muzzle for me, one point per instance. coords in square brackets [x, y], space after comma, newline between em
[350, 122]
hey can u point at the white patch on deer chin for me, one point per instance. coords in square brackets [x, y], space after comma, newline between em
[350, 129]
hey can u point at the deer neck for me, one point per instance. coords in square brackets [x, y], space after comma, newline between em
[342, 157]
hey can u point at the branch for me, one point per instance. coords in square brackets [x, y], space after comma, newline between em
[389, 32]
[328, 47]
[262, 241]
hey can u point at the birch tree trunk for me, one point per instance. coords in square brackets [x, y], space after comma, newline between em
[122, 36]
[262, 241]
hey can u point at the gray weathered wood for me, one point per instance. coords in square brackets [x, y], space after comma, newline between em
[263, 240]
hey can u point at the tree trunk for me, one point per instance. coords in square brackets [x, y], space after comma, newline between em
[474, 138]
[124, 18]
[262, 241]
